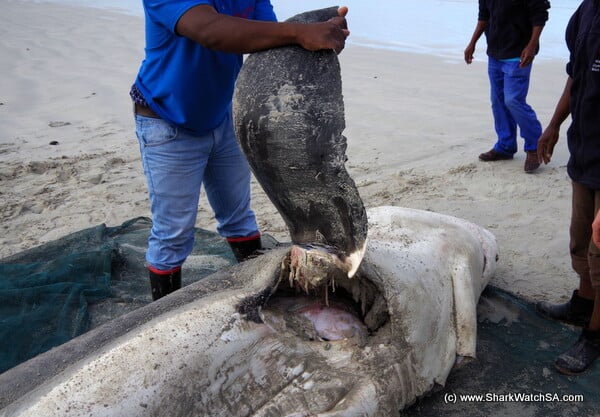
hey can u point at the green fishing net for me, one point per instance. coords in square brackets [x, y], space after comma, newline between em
[513, 374]
[57, 291]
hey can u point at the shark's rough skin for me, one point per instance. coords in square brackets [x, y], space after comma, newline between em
[289, 118]
[211, 348]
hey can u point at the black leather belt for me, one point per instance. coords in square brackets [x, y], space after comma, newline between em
[144, 111]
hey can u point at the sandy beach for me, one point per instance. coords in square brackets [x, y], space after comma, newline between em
[69, 158]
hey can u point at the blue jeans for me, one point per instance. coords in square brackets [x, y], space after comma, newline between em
[509, 87]
[176, 164]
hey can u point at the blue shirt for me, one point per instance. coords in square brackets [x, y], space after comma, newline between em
[183, 82]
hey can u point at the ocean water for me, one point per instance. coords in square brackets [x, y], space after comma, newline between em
[436, 27]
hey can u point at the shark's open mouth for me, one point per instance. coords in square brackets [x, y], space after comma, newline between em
[317, 300]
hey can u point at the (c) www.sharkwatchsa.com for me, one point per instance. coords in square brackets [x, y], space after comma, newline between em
[453, 398]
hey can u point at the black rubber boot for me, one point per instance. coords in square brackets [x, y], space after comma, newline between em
[577, 311]
[247, 248]
[580, 357]
[163, 283]
[244, 248]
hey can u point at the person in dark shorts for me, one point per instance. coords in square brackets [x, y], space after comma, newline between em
[580, 100]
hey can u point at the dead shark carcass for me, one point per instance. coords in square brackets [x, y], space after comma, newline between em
[224, 346]
[298, 331]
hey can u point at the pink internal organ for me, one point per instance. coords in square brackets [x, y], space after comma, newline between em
[333, 323]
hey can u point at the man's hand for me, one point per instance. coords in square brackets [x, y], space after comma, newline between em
[469, 51]
[327, 35]
[546, 143]
[527, 56]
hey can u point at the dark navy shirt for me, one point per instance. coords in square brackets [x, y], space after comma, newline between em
[509, 24]
[183, 82]
[583, 136]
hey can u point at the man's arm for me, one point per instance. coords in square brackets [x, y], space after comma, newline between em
[538, 15]
[204, 25]
[549, 138]
[532, 47]
[470, 49]
[596, 230]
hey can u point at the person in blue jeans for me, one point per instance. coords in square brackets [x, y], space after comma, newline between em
[512, 29]
[182, 99]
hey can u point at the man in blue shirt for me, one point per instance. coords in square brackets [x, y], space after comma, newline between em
[512, 30]
[580, 100]
[182, 98]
